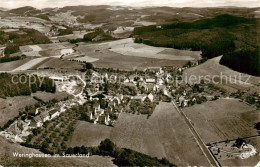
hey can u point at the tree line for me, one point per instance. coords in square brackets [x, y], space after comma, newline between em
[10, 86]
[22, 37]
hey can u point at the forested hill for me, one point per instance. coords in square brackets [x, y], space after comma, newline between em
[236, 38]
[23, 85]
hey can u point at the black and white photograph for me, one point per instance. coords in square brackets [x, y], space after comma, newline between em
[129, 83]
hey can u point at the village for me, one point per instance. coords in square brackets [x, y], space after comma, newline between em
[100, 95]
[105, 93]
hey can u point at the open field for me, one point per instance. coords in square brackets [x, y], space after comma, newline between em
[29, 48]
[44, 96]
[252, 161]
[164, 134]
[89, 134]
[39, 63]
[7, 158]
[127, 47]
[75, 35]
[234, 81]
[223, 119]
[48, 50]
[58, 64]
[86, 59]
[30, 64]
[55, 46]
[9, 66]
[26, 22]
[108, 59]
[124, 54]
[9, 107]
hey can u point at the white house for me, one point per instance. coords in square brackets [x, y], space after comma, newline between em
[91, 116]
[54, 113]
[150, 80]
[97, 87]
[45, 116]
[184, 93]
[95, 121]
[37, 121]
[40, 110]
[56, 78]
[151, 97]
[156, 88]
[181, 99]
[165, 92]
[106, 76]
[160, 81]
[126, 80]
[185, 103]
[194, 99]
[107, 119]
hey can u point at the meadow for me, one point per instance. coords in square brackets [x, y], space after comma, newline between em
[224, 119]
[127, 55]
[164, 134]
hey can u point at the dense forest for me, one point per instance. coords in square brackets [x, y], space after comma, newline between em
[233, 37]
[13, 40]
[246, 61]
[65, 31]
[8, 59]
[97, 35]
[23, 85]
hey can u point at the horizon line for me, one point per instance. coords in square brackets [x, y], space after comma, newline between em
[233, 6]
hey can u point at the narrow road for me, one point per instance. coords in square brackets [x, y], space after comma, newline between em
[202, 145]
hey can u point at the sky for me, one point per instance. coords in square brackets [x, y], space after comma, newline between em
[136, 3]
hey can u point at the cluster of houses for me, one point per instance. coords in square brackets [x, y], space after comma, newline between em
[153, 81]
[43, 114]
[97, 114]
[17, 131]
[20, 128]
[150, 85]
[184, 102]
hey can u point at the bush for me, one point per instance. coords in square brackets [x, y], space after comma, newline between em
[107, 147]
[36, 131]
[89, 66]
[64, 32]
[9, 59]
[10, 49]
[102, 36]
[257, 126]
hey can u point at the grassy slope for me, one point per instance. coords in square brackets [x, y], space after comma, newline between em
[7, 159]
[222, 121]
[164, 134]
